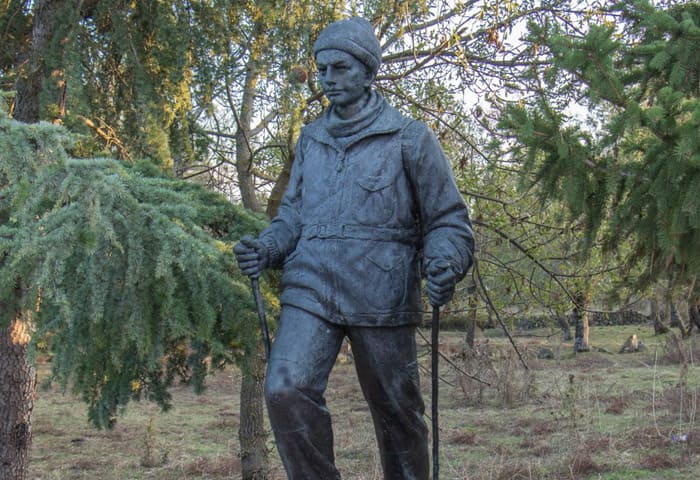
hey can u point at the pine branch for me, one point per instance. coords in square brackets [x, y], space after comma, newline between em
[135, 270]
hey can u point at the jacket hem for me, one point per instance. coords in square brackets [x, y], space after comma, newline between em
[374, 319]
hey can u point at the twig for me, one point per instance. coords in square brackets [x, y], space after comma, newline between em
[653, 393]
[454, 365]
[528, 254]
[498, 316]
[108, 135]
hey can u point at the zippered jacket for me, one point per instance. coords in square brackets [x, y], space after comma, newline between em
[362, 216]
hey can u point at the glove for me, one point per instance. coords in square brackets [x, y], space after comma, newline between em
[441, 283]
[252, 256]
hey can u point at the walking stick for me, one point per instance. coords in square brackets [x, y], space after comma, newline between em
[435, 329]
[261, 316]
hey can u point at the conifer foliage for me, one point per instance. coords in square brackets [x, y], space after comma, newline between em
[637, 178]
[129, 274]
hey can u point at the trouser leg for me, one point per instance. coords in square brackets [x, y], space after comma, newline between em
[301, 359]
[385, 359]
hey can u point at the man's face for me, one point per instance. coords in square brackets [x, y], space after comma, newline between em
[344, 79]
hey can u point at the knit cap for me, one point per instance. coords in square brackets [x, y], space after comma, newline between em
[354, 36]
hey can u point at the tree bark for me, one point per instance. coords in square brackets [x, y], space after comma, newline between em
[17, 377]
[244, 119]
[586, 343]
[50, 18]
[581, 342]
[251, 435]
[563, 323]
[17, 390]
[277, 192]
[677, 319]
[471, 317]
[280, 187]
[659, 327]
[694, 316]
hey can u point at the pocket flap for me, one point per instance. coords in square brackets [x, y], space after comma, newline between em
[386, 262]
[374, 183]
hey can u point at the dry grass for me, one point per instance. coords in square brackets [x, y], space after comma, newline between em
[596, 415]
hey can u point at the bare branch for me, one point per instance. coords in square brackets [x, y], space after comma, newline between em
[485, 296]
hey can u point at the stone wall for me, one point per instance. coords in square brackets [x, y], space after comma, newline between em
[623, 317]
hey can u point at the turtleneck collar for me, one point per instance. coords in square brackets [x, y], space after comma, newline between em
[342, 128]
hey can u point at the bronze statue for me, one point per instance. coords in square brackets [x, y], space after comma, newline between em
[371, 206]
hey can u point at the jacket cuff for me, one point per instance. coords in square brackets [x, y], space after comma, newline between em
[273, 253]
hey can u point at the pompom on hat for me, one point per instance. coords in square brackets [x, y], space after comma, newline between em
[354, 36]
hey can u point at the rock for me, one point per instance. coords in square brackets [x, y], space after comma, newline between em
[631, 345]
[545, 353]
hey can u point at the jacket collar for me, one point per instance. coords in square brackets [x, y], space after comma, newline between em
[389, 120]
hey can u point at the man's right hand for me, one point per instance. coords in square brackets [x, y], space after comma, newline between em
[251, 255]
[441, 282]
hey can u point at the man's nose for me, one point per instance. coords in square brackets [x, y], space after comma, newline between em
[330, 76]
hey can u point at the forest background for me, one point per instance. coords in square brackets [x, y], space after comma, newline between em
[139, 140]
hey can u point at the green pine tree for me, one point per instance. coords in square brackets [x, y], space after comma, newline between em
[635, 181]
[129, 274]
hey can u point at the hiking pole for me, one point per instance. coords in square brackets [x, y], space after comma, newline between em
[261, 316]
[435, 329]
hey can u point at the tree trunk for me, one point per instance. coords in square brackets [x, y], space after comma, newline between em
[565, 327]
[296, 120]
[674, 318]
[677, 319]
[659, 327]
[252, 435]
[694, 316]
[471, 317]
[44, 73]
[42, 77]
[280, 187]
[17, 389]
[581, 343]
[244, 120]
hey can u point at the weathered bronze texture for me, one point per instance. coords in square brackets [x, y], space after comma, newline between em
[371, 207]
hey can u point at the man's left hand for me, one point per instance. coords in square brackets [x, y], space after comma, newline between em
[441, 282]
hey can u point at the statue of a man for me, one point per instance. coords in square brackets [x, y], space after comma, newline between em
[370, 206]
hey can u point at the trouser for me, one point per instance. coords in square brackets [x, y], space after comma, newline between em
[302, 357]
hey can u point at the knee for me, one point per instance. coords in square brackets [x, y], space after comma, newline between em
[280, 390]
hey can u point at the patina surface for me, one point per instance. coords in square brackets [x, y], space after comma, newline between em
[371, 207]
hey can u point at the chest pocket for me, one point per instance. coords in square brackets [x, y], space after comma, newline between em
[374, 200]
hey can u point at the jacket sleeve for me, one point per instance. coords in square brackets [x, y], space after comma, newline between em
[443, 216]
[281, 236]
